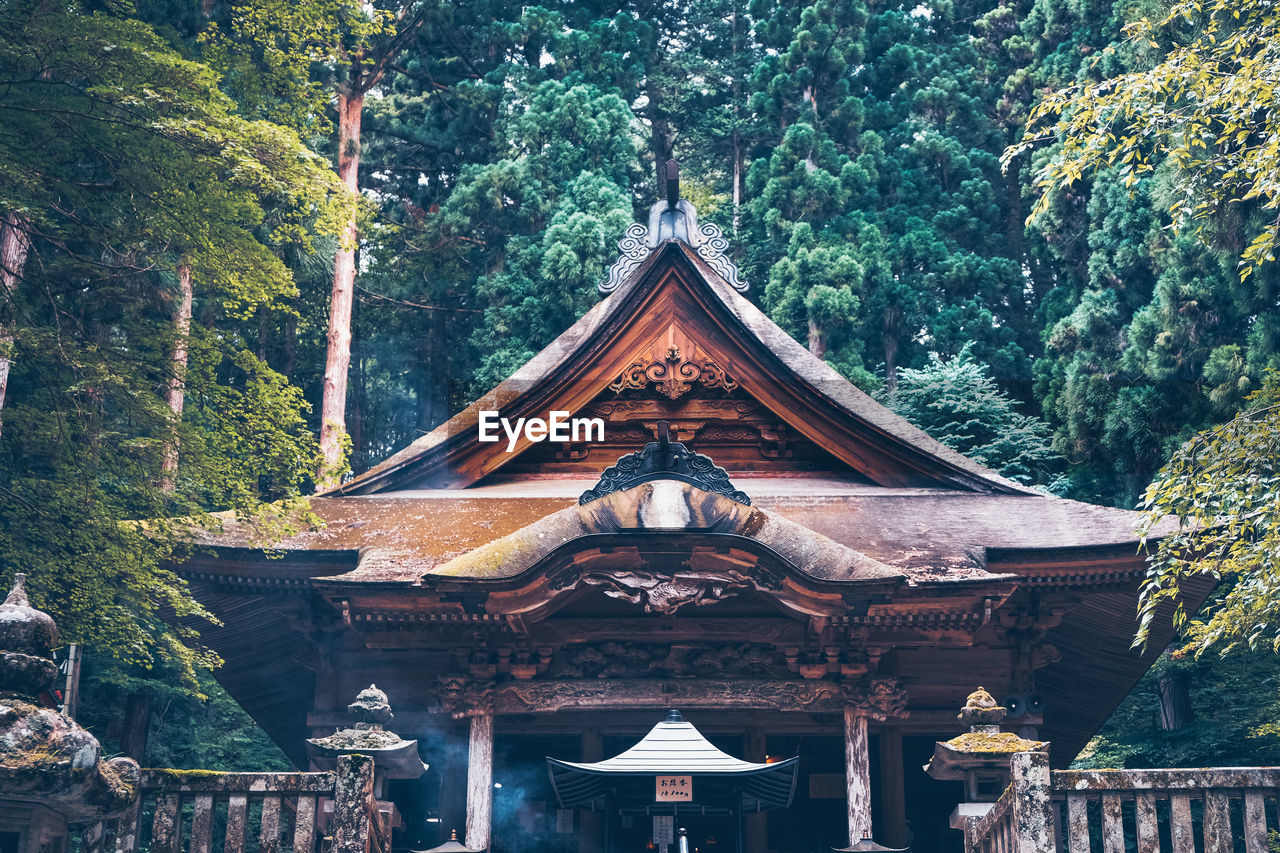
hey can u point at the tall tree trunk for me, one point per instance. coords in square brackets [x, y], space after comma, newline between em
[175, 394]
[1175, 701]
[137, 726]
[338, 360]
[817, 340]
[290, 347]
[890, 336]
[15, 241]
[661, 141]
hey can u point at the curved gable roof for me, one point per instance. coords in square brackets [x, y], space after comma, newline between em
[675, 286]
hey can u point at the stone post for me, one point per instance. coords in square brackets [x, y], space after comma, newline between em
[352, 804]
[480, 781]
[1032, 807]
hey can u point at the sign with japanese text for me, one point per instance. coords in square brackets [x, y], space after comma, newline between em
[673, 789]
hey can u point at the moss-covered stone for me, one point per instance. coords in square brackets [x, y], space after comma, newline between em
[993, 743]
[46, 757]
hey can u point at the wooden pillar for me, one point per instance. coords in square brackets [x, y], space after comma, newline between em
[893, 793]
[480, 781]
[857, 774]
[755, 827]
[591, 824]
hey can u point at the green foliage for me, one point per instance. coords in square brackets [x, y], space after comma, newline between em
[959, 403]
[204, 730]
[1235, 703]
[1203, 106]
[125, 159]
[1222, 488]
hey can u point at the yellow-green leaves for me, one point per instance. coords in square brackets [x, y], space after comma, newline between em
[1215, 509]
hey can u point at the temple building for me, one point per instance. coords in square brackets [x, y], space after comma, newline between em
[747, 539]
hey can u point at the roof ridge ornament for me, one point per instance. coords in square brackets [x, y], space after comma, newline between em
[672, 218]
[664, 459]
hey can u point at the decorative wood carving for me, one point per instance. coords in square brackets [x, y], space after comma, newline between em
[877, 699]
[666, 594]
[673, 376]
[635, 660]
[549, 696]
[664, 459]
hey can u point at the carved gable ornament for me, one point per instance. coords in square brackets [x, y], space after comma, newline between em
[672, 218]
[673, 376]
[665, 594]
[664, 459]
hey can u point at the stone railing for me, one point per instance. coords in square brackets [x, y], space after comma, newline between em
[196, 811]
[1128, 811]
[1166, 809]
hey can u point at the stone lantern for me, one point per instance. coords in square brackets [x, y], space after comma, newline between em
[979, 757]
[52, 772]
[393, 756]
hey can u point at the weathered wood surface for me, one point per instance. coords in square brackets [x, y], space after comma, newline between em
[1217, 823]
[127, 829]
[269, 839]
[893, 794]
[857, 764]
[1112, 824]
[1147, 823]
[480, 782]
[1077, 823]
[1180, 824]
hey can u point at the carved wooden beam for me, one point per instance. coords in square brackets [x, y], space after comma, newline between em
[876, 699]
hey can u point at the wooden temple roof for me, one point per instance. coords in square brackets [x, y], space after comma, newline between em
[857, 520]
[928, 534]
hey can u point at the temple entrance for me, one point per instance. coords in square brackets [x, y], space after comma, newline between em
[673, 778]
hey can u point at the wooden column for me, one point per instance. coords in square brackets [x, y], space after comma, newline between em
[755, 827]
[591, 824]
[857, 774]
[893, 793]
[480, 781]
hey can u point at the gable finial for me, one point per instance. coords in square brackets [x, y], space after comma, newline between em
[672, 218]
